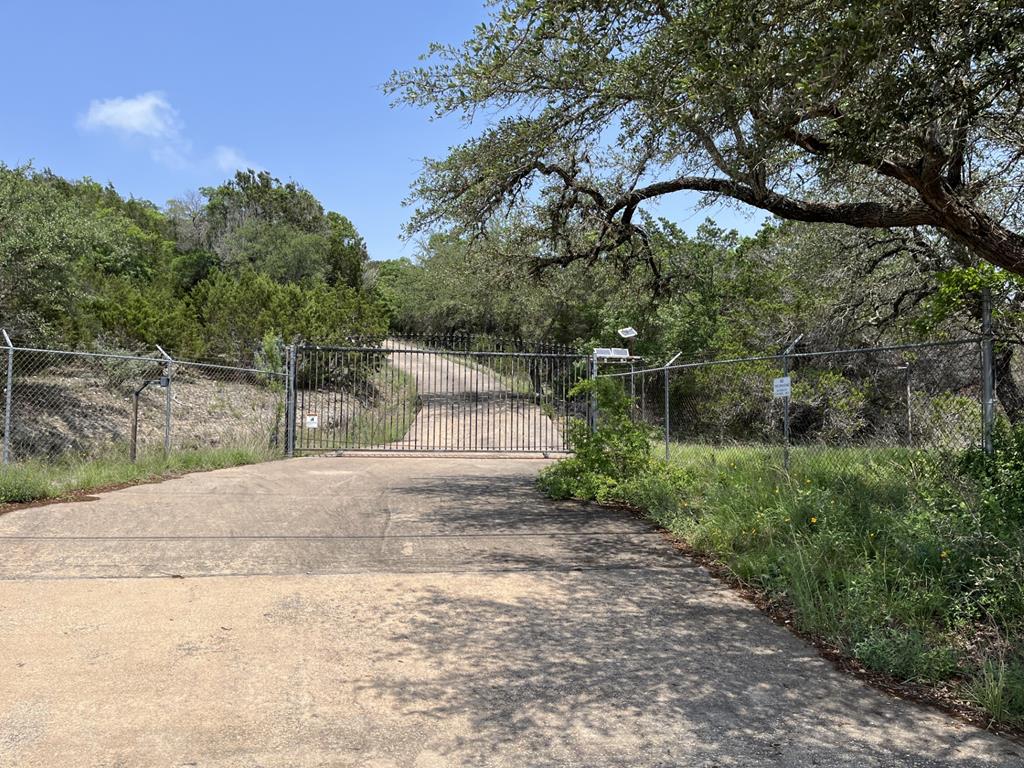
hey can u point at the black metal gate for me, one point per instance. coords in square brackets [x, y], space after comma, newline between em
[404, 396]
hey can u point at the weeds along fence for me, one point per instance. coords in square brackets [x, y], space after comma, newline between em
[64, 405]
[833, 406]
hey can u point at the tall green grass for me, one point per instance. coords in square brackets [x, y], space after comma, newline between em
[36, 480]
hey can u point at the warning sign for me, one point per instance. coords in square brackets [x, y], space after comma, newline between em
[312, 421]
[782, 386]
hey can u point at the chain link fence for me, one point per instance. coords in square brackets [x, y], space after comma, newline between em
[833, 406]
[840, 405]
[62, 405]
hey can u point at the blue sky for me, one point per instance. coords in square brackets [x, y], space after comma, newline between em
[162, 98]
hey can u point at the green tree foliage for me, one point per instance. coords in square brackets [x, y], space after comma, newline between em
[386, 279]
[726, 296]
[258, 196]
[282, 251]
[42, 237]
[239, 310]
[254, 220]
[80, 265]
[346, 255]
[731, 296]
[727, 293]
[124, 314]
[901, 114]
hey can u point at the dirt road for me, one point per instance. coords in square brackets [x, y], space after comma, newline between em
[468, 406]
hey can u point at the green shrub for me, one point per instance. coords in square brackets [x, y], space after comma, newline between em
[907, 655]
[238, 309]
[1000, 475]
[661, 493]
[615, 450]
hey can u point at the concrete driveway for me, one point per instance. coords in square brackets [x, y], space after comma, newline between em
[407, 612]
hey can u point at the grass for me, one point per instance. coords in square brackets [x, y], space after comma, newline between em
[37, 480]
[910, 562]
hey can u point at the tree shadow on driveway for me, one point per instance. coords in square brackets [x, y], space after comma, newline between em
[636, 658]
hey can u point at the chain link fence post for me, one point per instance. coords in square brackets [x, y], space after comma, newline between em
[7, 399]
[987, 371]
[666, 406]
[785, 415]
[169, 373]
[785, 402]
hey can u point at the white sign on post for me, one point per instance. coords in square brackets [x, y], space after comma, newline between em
[312, 421]
[782, 386]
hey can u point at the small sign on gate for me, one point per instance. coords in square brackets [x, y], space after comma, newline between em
[312, 421]
[782, 386]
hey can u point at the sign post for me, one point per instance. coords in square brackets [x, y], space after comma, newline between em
[784, 388]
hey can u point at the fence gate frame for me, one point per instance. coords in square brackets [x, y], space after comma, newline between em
[411, 397]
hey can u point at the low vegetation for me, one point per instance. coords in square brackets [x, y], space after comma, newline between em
[910, 562]
[37, 480]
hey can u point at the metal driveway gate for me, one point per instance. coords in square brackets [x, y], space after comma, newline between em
[417, 397]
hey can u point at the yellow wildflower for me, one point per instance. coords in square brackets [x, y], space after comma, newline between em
[814, 520]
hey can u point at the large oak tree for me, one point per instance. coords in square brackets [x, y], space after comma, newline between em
[902, 113]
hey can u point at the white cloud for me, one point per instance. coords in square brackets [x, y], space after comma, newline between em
[149, 115]
[150, 119]
[229, 160]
